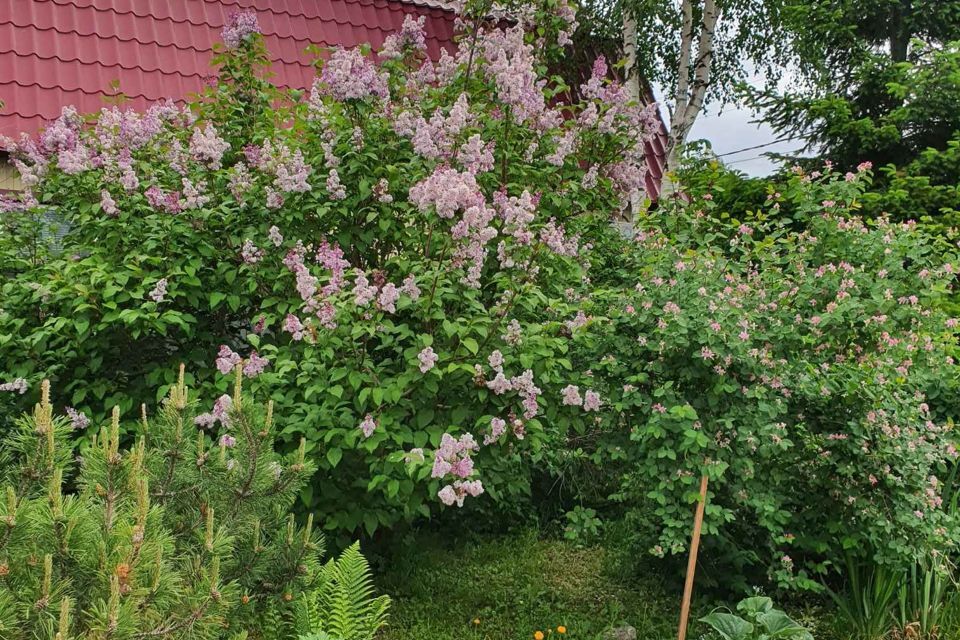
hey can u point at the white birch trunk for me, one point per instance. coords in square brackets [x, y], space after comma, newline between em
[690, 92]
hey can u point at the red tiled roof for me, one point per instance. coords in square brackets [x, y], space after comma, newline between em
[59, 52]
[79, 52]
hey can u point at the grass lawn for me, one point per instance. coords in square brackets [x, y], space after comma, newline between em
[507, 588]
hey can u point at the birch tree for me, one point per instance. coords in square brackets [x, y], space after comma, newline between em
[698, 51]
[693, 73]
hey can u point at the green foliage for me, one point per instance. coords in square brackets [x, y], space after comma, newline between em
[583, 526]
[749, 34]
[184, 261]
[867, 602]
[344, 606]
[768, 353]
[889, 113]
[759, 620]
[176, 537]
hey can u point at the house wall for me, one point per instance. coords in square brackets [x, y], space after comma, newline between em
[9, 178]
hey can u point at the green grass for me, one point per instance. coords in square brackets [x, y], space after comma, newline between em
[515, 585]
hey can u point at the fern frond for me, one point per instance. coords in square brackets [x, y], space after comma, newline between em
[346, 600]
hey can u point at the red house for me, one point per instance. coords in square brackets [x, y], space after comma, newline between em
[80, 52]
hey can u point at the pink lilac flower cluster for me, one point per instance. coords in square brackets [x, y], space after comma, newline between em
[107, 204]
[207, 147]
[16, 386]
[290, 171]
[511, 65]
[275, 236]
[294, 327]
[368, 426]
[437, 137]
[250, 253]
[590, 401]
[457, 492]
[453, 459]
[159, 292]
[449, 191]
[523, 385]
[254, 365]
[381, 191]
[239, 27]
[228, 359]
[428, 359]
[349, 75]
[498, 426]
[611, 111]
[220, 413]
[78, 420]
[567, 12]
[411, 37]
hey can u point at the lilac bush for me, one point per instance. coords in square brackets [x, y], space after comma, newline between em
[387, 251]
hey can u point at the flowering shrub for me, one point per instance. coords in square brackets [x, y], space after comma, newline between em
[809, 374]
[389, 248]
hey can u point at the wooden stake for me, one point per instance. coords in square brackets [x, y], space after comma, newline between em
[692, 561]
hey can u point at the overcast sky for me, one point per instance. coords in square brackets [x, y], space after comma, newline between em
[731, 131]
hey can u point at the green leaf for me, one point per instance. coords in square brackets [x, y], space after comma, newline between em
[729, 626]
[781, 626]
[334, 456]
[471, 345]
[755, 605]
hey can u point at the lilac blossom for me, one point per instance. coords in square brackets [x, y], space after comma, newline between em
[389, 294]
[571, 396]
[159, 291]
[294, 327]
[498, 426]
[349, 75]
[107, 204]
[591, 401]
[221, 409]
[411, 36]
[368, 426]
[428, 359]
[458, 491]
[240, 26]
[381, 191]
[335, 188]
[410, 288]
[275, 237]
[227, 359]
[255, 365]
[510, 63]
[17, 386]
[194, 196]
[250, 253]
[207, 147]
[363, 291]
[240, 180]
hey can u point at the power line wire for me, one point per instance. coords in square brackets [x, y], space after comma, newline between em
[757, 146]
